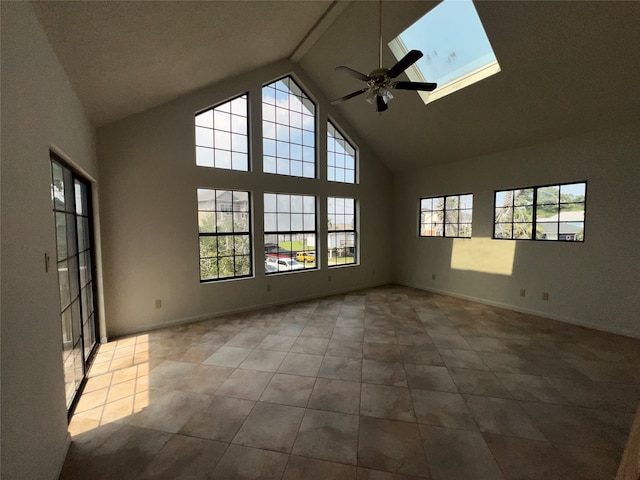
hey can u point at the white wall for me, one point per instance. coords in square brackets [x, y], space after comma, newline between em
[149, 214]
[595, 283]
[39, 109]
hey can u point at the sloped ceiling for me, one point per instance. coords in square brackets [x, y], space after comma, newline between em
[567, 67]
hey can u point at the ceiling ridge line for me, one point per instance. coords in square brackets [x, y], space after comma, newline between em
[319, 28]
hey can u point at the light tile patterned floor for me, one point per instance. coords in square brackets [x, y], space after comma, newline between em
[385, 383]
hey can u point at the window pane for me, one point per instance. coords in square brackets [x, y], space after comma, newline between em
[522, 231]
[547, 231]
[548, 195]
[451, 202]
[296, 203]
[219, 129]
[284, 120]
[341, 240]
[523, 214]
[503, 230]
[297, 222]
[523, 197]
[285, 252]
[61, 235]
[504, 199]
[340, 153]
[466, 201]
[205, 119]
[546, 213]
[204, 157]
[224, 224]
[284, 222]
[63, 278]
[270, 222]
[284, 203]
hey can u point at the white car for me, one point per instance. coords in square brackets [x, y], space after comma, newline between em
[285, 264]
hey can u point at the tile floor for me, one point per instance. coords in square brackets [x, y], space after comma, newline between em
[385, 383]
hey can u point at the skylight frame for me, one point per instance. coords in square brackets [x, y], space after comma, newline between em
[415, 74]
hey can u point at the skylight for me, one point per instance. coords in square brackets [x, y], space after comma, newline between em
[457, 52]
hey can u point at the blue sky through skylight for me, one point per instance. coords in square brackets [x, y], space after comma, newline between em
[454, 44]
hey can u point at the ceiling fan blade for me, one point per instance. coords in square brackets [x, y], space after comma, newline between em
[351, 95]
[353, 73]
[381, 105]
[421, 86]
[405, 62]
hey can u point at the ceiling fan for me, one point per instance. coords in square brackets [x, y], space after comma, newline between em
[381, 81]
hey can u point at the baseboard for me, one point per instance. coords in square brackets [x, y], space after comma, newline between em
[258, 306]
[618, 331]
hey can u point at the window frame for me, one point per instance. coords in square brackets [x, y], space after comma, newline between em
[444, 216]
[339, 131]
[290, 233]
[469, 19]
[216, 234]
[534, 220]
[230, 132]
[302, 146]
[354, 231]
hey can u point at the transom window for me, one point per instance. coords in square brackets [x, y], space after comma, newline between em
[341, 225]
[341, 157]
[221, 136]
[553, 212]
[224, 226]
[288, 129]
[448, 216]
[290, 232]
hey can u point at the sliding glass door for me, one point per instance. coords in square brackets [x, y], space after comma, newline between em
[71, 196]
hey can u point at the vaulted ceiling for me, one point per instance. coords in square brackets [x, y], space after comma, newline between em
[567, 67]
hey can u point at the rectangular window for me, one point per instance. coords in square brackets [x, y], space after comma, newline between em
[288, 129]
[448, 216]
[290, 232]
[341, 157]
[224, 225]
[341, 225]
[222, 139]
[552, 212]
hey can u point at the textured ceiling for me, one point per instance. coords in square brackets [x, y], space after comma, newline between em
[567, 67]
[125, 57]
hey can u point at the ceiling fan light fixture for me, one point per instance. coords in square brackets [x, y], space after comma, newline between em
[371, 97]
[385, 93]
[381, 80]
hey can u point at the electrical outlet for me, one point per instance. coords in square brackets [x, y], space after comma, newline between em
[158, 303]
[329, 278]
[523, 292]
[268, 287]
[433, 276]
[545, 296]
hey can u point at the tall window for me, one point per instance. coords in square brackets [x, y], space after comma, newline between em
[341, 225]
[553, 212]
[448, 216]
[290, 232]
[71, 196]
[222, 136]
[288, 129]
[224, 225]
[341, 157]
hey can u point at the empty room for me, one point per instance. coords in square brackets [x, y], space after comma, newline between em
[320, 240]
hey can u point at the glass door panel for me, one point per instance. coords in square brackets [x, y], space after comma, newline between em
[71, 204]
